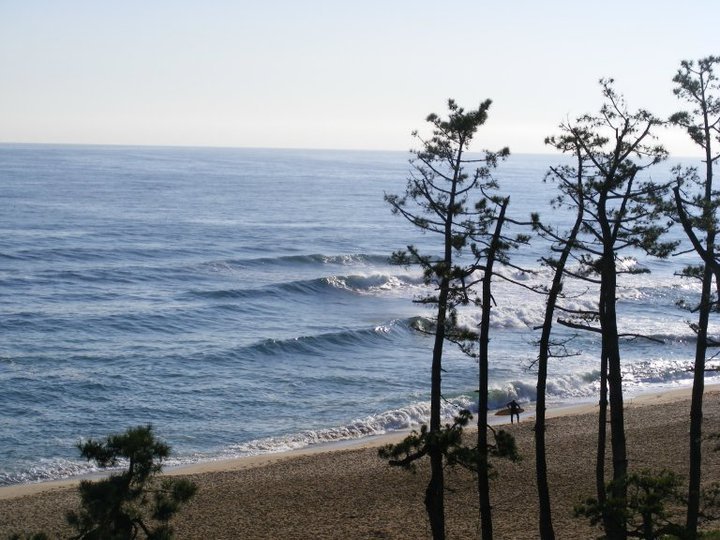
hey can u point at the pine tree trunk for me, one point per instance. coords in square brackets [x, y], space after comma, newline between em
[696, 406]
[611, 347]
[483, 463]
[545, 514]
[434, 495]
[483, 361]
[602, 439]
[435, 492]
[545, 510]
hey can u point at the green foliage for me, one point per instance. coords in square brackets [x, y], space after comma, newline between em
[134, 503]
[449, 439]
[505, 446]
[695, 207]
[618, 146]
[437, 195]
[33, 536]
[695, 83]
[614, 150]
[619, 210]
[647, 509]
[418, 444]
[451, 194]
[696, 201]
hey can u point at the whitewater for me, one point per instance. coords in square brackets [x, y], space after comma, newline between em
[242, 301]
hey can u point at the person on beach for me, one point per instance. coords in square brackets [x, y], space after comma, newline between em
[514, 410]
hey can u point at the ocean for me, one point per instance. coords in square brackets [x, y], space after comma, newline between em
[242, 302]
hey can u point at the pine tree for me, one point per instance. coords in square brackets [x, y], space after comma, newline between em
[696, 204]
[134, 503]
[619, 213]
[570, 183]
[437, 200]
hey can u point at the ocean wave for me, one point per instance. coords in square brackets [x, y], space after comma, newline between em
[657, 373]
[101, 276]
[43, 470]
[563, 389]
[383, 422]
[356, 284]
[409, 417]
[315, 259]
[578, 386]
[77, 253]
[100, 323]
[560, 390]
[321, 343]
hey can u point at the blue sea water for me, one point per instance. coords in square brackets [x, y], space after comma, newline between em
[242, 302]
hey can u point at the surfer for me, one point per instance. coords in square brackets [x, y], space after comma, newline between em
[514, 410]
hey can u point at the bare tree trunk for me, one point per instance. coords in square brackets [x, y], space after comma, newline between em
[696, 406]
[435, 491]
[611, 350]
[602, 438]
[434, 494]
[545, 514]
[483, 361]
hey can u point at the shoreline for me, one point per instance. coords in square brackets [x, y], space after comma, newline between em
[649, 397]
[349, 492]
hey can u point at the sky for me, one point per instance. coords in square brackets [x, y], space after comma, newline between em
[335, 73]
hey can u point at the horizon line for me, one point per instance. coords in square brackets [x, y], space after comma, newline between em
[286, 148]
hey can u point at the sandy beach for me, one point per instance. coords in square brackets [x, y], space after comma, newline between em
[348, 492]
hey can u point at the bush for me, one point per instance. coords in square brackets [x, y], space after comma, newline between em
[134, 503]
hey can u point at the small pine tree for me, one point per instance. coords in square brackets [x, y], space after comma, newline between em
[134, 503]
[645, 510]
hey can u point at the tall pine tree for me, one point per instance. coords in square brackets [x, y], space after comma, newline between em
[696, 204]
[438, 199]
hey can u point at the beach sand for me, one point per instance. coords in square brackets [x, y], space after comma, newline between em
[348, 492]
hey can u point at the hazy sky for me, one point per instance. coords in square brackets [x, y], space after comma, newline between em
[332, 74]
